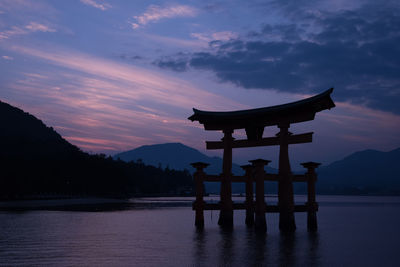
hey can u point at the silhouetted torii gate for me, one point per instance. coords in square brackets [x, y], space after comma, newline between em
[254, 121]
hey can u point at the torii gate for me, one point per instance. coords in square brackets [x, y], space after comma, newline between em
[254, 121]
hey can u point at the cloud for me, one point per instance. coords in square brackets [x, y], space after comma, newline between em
[174, 42]
[213, 36]
[356, 51]
[105, 106]
[95, 113]
[97, 4]
[12, 32]
[176, 65]
[37, 27]
[29, 28]
[7, 58]
[149, 84]
[38, 7]
[280, 32]
[155, 13]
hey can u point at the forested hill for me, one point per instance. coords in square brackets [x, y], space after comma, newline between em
[36, 161]
[23, 135]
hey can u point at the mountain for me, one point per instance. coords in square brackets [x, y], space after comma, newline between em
[23, 135]
[37, 162]
[174, 156]
[363, 172]
[178, 156]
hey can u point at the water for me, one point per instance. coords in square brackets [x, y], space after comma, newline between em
[353, 231]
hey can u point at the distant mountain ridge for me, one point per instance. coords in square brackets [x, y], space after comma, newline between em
[174, 156]
[363, 172]
[178, 156]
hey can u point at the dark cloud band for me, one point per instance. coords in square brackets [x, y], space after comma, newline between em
[356, 51]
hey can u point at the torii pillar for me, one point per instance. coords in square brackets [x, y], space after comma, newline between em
[285, 183]
[199, 176]
[311, 203]
[226, 212]
[249, 194]
[259, 176]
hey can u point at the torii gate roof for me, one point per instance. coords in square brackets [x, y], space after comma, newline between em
[299, 111]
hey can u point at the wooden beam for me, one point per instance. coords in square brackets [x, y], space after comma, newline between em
[271, 177]
[300, 178]
[212, 178]
[269, 141]
[268, 208]
[218, 178]
[238, 179]
[242, 179]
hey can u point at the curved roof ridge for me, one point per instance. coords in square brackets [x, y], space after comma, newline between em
[266, 115]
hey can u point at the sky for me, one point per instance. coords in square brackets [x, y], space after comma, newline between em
[110, 76]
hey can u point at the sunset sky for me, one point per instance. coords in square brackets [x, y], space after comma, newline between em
[114, 75]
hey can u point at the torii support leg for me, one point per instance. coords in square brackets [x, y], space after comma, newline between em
[199, 203]
[312, 225]
[226, 212]
[285, 184]
[249, 194]
[259, 175]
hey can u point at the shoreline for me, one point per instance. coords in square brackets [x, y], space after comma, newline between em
[59, 202]
[108, 203]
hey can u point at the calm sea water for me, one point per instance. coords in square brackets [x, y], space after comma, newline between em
[353, 231]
